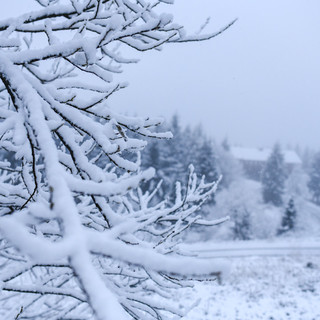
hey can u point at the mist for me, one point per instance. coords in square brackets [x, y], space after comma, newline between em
[257, 83]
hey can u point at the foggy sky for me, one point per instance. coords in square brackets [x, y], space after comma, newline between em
[256, 84]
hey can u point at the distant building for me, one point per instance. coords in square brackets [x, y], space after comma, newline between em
[253, 160]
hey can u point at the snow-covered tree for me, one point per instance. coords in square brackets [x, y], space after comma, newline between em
[225, 144]
[206, 163]
[151, 159]
[296, 185]
[307, 155]
[241, 201]
[229, 167]
[273, 178]
[79, 239]
[169, 160]
[241, 219]
[289, 218]
[172, 158]
[172, 164]
[314, 179]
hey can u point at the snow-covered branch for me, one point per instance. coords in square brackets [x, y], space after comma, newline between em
[79, 238]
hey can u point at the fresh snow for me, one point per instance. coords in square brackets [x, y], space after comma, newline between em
[266, 288]
[79, 236]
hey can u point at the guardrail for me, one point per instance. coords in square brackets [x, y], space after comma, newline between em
[252, 248]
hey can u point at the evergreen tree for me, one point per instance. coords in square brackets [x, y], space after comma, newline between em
[168, 158]
[273, 178]
[151, 158]
[229, 167]
[296, 185]
[225, 144]
[171, 156]
[206, 164]
[241, 224]
[152, 155]
[190, 142]
[314, 182]
[289, 218]
[193, 140]
[307, 156]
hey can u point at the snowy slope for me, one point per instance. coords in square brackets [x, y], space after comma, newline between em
[277, 288]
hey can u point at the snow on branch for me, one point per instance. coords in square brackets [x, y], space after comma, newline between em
[78, 237]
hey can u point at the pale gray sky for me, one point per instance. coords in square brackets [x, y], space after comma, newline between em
[257, 83]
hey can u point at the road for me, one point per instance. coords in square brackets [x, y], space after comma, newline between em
[253, 248]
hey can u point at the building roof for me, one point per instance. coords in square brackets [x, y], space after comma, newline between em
[262, 154]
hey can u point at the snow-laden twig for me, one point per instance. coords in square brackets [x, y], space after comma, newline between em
[79, 239]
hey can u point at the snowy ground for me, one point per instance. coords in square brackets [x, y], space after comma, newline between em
[268, 288]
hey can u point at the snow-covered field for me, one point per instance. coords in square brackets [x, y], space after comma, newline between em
[268, 288]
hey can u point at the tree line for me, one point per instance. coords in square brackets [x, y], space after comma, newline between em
[213, 160]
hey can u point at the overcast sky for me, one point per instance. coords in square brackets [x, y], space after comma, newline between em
[256, 84]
